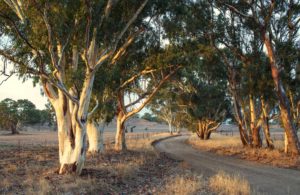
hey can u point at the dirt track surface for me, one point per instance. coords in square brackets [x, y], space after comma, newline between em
[263, 179]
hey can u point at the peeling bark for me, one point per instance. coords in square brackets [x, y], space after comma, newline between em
[266, 126]
[95, 132]
[120, 143]
[257, 142]
[71, 124]
[289, 127]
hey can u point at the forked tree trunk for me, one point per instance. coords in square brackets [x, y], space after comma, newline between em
[254, 128]
[95, 132]
[290, 130]
[266, 125]
[71, 123]
[205, 128]
[71, 137]
[120, 142]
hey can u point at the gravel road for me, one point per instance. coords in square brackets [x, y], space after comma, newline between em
[263, 179]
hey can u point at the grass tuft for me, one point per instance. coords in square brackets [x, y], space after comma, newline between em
[223, 183]
[183, 184]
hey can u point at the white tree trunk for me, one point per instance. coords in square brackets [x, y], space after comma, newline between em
[95, 133]
[71, 122]
[170, 127]
[72, 143]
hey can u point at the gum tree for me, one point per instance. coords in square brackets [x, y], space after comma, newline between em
[276, 23]
[52, 41]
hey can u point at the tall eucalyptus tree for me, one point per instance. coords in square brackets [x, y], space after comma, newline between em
[275, 23]
[54, 40]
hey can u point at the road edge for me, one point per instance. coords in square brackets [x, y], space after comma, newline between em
[153, 143]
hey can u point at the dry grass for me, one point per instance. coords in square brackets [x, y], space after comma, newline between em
[231, 146]
[30, 169]
[217, 141]
[183, 184]
[223, 183]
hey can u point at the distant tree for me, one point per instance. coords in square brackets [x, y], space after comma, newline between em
[27, 112]
[164, 106]
[207, 108]
[150, 117]
[46, 117]
[8, 115]
[14, 114]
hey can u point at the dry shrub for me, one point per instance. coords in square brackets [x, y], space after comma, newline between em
[223, 183]
[183, 184]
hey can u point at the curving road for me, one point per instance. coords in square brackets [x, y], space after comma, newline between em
[263, 179]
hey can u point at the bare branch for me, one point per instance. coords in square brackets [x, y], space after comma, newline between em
[137, 100]
[155, 89]
[144, 72]
[108, 53]
[234, 9]
[50, 40]
[7, 77]
[94, 109]
[129, 23]
[123, 48]
[19, 33]
[60, 86]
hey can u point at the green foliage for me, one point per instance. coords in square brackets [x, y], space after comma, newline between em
[149, 117]
[27, 113]
[9, 114]
[21, 112]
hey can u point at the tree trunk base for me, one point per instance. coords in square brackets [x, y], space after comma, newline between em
[68, 169]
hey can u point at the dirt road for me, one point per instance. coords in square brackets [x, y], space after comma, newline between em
[263, 179]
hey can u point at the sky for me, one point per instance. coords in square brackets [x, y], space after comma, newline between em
[15, 89]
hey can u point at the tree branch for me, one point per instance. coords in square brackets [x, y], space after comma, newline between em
[50, 40]
[94, 109]
[156, 88]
